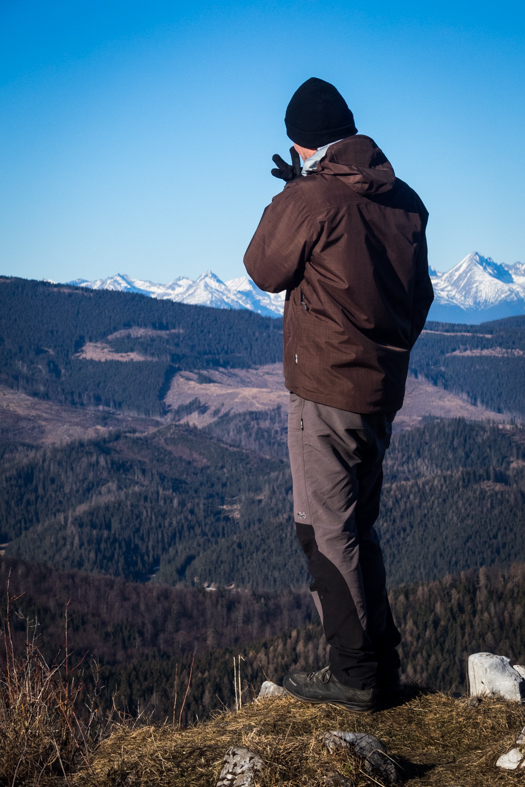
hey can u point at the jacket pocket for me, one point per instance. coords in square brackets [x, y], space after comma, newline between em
[304, 302]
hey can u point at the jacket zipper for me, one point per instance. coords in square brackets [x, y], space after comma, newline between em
[303, 303]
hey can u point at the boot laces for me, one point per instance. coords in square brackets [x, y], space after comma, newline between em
[323, 675]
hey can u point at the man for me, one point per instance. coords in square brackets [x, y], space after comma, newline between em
[346, 240]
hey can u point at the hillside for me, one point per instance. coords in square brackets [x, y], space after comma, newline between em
[174, 504]
[118, 350]
[214, 399]
[177, 506]
[144, 638]
[128, 353]
[485, 362]
[453, 499]
[138, 499]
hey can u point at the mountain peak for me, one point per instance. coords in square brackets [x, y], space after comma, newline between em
[488, 265]
[475, 260]
[478, 283]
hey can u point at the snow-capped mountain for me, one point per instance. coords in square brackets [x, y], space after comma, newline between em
[478, 289]
[475, 290]
[207, 290]
[257, 299]
[124, 283]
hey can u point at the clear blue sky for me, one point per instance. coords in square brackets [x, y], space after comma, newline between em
[136, 137]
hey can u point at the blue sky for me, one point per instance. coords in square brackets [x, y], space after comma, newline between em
[136, 137]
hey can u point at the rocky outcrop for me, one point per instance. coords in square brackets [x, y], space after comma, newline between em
[269, 689]
[490, 674]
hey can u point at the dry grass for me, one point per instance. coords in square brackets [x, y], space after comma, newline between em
[438, 741]
[36, 715]
[42, 738]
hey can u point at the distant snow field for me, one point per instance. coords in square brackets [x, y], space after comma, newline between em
[474, 290]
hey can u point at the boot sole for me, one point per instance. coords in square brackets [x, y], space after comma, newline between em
[346, 705]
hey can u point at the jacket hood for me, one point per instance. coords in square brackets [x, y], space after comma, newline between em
[360, 164]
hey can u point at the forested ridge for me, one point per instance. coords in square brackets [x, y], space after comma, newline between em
[454, 499]
[263, 432]
[485, 362]
[144, 638]
[174, 504]
[178, 506]
[44, 327]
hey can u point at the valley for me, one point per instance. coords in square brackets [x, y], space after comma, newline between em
[144, 476]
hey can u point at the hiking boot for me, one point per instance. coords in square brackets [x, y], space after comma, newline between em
[322, 686]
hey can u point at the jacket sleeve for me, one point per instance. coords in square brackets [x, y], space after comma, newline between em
[423, 293]
[282, 243]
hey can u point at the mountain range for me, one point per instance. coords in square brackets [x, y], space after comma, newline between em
[475, 290]
[207, 290]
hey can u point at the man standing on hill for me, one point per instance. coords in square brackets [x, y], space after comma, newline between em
[346, 240]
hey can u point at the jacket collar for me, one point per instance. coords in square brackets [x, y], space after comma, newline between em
[310, 163]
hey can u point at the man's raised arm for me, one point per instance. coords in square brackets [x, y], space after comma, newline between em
[282, 243]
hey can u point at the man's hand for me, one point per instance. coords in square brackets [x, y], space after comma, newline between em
[286, 171]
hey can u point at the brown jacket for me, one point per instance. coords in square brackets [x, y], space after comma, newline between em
[348, 244]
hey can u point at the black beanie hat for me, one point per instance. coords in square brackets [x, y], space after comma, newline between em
[318, 115]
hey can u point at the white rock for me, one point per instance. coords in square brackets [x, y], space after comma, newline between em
[521, 740]
[510, 760]
[269, 689]
[490, 674]
[520, 670]
[240, 767]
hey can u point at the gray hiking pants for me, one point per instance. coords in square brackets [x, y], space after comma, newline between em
[336, 459]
